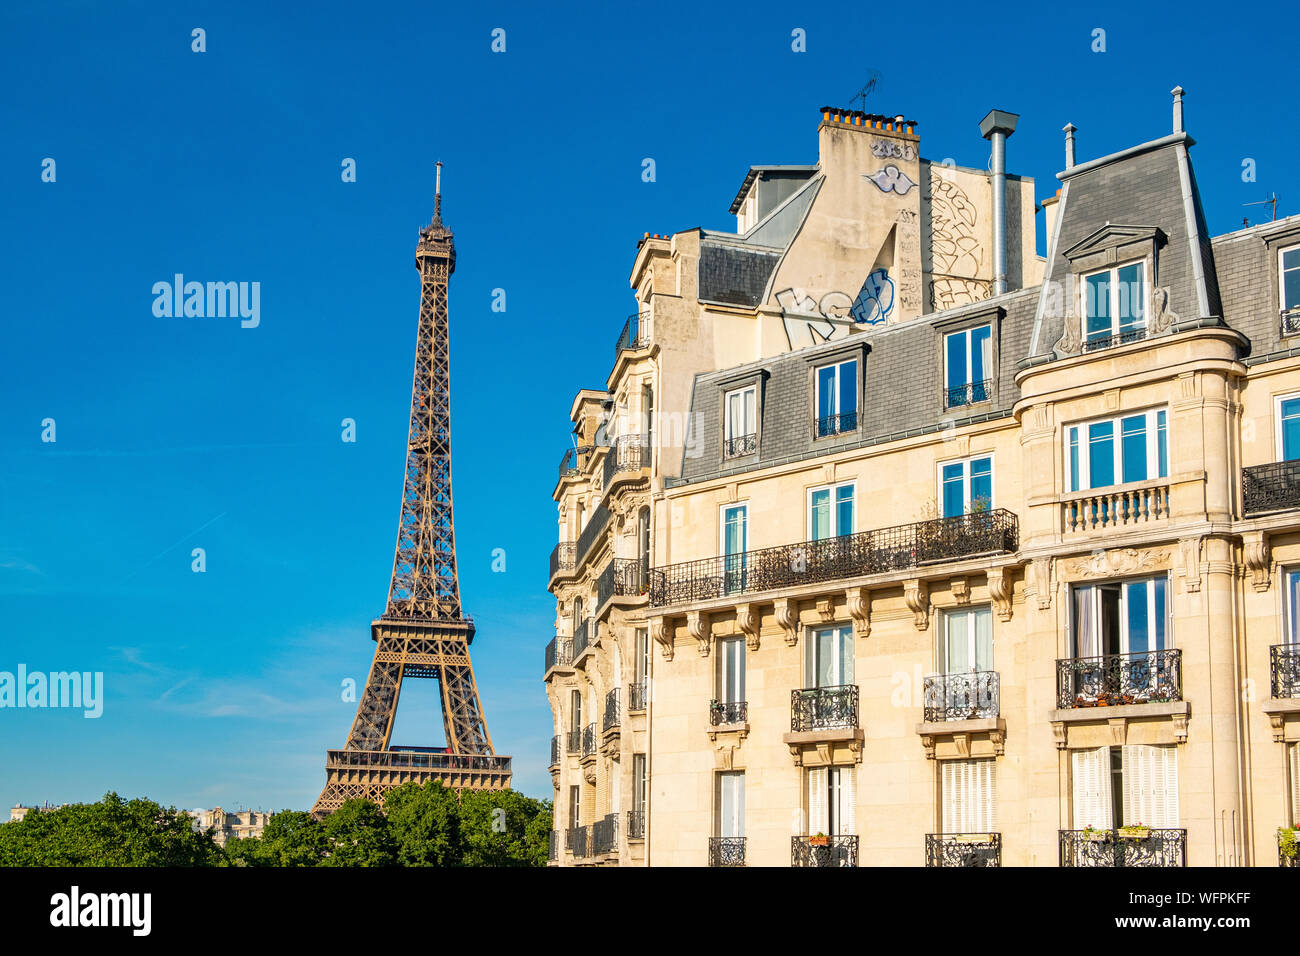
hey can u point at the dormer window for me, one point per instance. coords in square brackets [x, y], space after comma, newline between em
[1288, 289]
[1114, 306]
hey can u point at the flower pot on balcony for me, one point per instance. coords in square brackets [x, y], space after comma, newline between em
[819, 840]
[1135, 832]
[1097, 836]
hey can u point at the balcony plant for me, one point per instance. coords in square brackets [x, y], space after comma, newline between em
[1136, 831]
[1096, 836]
[819, 839]
[1288, 843]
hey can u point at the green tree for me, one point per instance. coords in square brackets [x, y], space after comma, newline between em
[425, 822]
[517, 836]
[358, 834]
[290, 838]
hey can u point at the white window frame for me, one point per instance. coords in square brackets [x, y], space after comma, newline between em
[965, 479]
[830, 800]
[747, 390]
[968, 797]
[810, 657]
[721, 821]
[834, 512]
[948, 383]
[1277, 421]
[730, 680]
[1125, 584]
[1290, 617]
[1114, 298]
[857, 392]
[941, 646]
[722, 525]
[1117, 436]
[1281, 279]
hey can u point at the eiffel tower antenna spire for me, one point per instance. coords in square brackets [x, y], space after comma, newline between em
[437, 195]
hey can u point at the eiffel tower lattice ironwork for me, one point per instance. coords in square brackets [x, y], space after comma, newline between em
[422, 633]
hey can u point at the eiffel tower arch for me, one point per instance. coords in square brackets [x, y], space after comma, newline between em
[422, 633]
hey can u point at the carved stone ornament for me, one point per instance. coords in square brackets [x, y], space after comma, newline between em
[663, 636]
[787, 615]
[1190, 552]
[960, 588]
[1069, 342]
[1161, 315]
[859, 604]
[917, 595]
[697, 623]
[1000, 592]
[1258, 558]
[747, 621]
[1104, 564]
[1040, 573]
[825, 609]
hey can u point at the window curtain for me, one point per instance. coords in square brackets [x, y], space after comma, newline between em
[1087, 639]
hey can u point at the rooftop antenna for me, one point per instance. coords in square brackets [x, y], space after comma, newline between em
[437, 193]
[1270, 201]
[873, 80]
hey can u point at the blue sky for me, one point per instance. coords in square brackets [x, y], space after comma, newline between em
[175, 433]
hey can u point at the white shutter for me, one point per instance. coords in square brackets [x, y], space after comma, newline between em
[817, 784]
[1150, 786]
[1091, 788]
[953, 783]
[848, 799]
[1169, 757]
[987, 791]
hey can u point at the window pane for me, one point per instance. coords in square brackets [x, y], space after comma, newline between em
[1133, 443]
[1101, 455]
[981, 484]
[845, 656]
[954, 498]
[1160, 586]
[1291, 429]
[957, 360]
[984, 639]
[1293, 610]
[826, 392]
[1291, 279]
[848, 390]
[819, 518]
[1096, 305]
[751, 418]
[825, 657]
[1130, 293]
[844, 510]
[1074, 459]
[957, 649]
[1162, 446]
[979, 354]
[1138, 617]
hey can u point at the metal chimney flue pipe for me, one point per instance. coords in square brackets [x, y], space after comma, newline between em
[996, 127]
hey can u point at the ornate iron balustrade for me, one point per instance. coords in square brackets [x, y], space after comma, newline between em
[971, 393]
[1289, 322]
[741, 445]
[552, 851]
[898, 548]
[568, 464]
[727, 712]
[580, 842]
[634, 334]
[589, 739]
[581, 637]
[563, 557]
[726, 851]
[835, 851]
[1112, 848]
[574, 743]
[627, 455]
[1114, 679]
[837, 424]
[414, 760]
[1284, 670]
[604, 835]
[596, 525]
[824, 708]
[637, 694]
[963, 849]
[555, 751]
[636, 824]
[961, 696]
[1116, 508]
[1111, 341]
[559, 653]
[611, 719]
[1271, 487]
[625, 577]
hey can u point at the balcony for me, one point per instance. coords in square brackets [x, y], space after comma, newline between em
[611, 720]
[622, 577]
[1102, 342]
[604, 835]
[837, 424]
[1284, 670]
[637, 695]
[972, 393]
[899, 548]
[574, 743]
[629, 455]
[963, 849]
[580, 842]
[568, 465]
[636, 825]
[824, 851]
[824, 708]
[1116, 508]
[1114, 680]
[635, 334]
[581, 637]
[726, 851]
[563, 558]
[589, 740]
[1289, 322]
[740, 446]
[1114, 848]
[722, 713]
[559, 653]
[968, 696]
[1271, 487]
[596, 525]
[555, 751]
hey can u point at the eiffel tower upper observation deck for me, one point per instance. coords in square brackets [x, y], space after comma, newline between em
[422, 632]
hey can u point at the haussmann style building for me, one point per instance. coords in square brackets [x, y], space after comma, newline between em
[887, 541]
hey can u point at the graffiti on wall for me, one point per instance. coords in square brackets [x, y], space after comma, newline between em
[810, 321]
[955, 251]
[890, 179]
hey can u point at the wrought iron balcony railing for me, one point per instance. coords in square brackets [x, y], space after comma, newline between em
[637, 694]
[726, 851]
[740, 446]
[625, 577]
[1271, 487]
[628, 454]
[580, 842]
[961, 696]
[1284, 670]
[824, 851]
[559, 652]
[837, 424]
[727, 712]
[596, 526]
[589, 740]
[635, 335]
[1289, 322]
[612, 718]
[604, 835]
[568, 464]
[899, 548]
[824, 708]
[1166, 847]
[963, 849]
[1111, 680]
[555, 750]
[636, 824]
[563, 557]
[582, 637]
[1126, 337]
[971, 393]
[574, 743]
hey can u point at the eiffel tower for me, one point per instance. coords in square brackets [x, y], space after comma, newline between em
[422, 633]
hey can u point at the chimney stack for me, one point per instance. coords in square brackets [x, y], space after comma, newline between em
[1069, 144]
[1178, 92]
[997, 126]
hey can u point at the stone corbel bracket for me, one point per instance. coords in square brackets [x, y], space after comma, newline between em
[917, 595]
[960, 588]
[1000, 591]
[697, 623]
[859, 604]
[787, 615]
[1258, 558]
[1190, 553]
[1041, 582]
[662, 633]
[747, 621]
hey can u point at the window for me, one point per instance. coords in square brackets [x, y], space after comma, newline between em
[730, 803]
[643, 549]
[740, 425]
[648, 403]
[575, 809]
[1295, 784]
[966, 641]
[1121, 617]
[968, 366]
[735, 540]
[828, 657]
[641, 666]
[966, 486]
[1115, 451]
[575, 711]
[969, 795]
[1288, 427]
[638, 783]
[830, 799]
[830, 511]
[1113, 306]
[1125, 786]
[731, 670]
[1288, 278]
[837, 398]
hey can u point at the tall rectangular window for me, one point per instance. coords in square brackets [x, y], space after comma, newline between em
[575, 808]
[730, 803]
[966, 640]
[1121, 617]
[1116, 451]
[969, 796]
[830, 800]
[837, 398]
[735, 541]
[731, 670]
[1289, 278]
[966, 486]
[740, 424]
[1292, 624]
[641, 664]
[968, 366]
[830, 511]
[1114, 306]
[1288, 418]
[828, 657]
[1125, 786]
[638, 783]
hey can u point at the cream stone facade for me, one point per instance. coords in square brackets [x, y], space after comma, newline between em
[865, 562]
